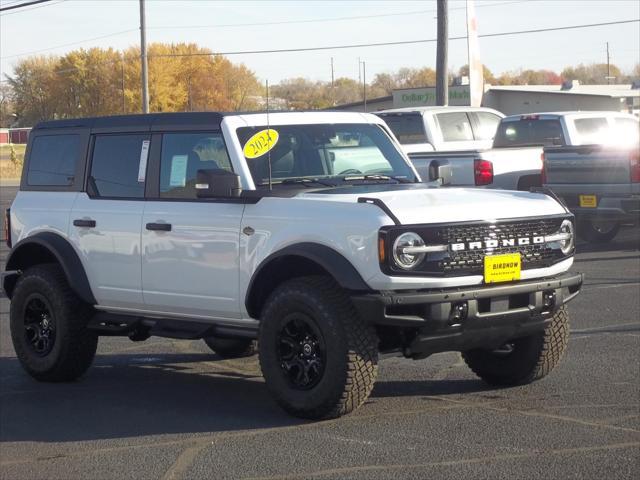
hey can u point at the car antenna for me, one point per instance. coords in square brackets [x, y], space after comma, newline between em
[268, 137]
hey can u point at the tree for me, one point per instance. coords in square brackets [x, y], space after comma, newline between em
[487, 74]
[34, 89]
[592, 74]
[6, 105]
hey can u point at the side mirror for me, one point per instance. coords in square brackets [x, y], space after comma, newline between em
[217, 183]
[440, 171]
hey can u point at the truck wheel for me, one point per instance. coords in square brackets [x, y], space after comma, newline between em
[318, 357]
[523, 360]
[595, 231]
[232, 347]
[48, 326]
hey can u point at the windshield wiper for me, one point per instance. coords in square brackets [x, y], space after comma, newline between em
[377, 177]
[306, 182]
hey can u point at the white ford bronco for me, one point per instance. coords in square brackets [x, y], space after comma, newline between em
[307, 237]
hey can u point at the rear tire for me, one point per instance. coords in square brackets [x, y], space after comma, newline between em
[593, 231]
[318, 357]
[48, 326]
[530, 358]
[232, 347]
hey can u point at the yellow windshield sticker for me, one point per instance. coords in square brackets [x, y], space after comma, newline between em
[260, 143]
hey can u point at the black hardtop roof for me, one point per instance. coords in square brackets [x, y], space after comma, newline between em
[149, 120]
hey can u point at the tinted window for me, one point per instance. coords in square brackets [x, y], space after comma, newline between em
[115, 165]
[529, 132]
[53, 160]
[408, 128]
[183, 154]
[592, 130]
[455, 126]
[324, 151]
[487, 125]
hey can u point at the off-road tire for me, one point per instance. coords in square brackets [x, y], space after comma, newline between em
[532, 358]
[232, 347]
[74, 346]
[351, 349]
[588, 231]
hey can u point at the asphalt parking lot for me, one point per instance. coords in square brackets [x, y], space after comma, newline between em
[168, 409]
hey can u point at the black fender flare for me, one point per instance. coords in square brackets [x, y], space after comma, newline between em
[334, 263]
[62, 251]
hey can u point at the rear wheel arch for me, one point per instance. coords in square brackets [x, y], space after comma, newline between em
[299, 260]
[49, 247]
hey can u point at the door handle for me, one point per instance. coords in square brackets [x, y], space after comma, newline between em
[161, 227]
[84, 222]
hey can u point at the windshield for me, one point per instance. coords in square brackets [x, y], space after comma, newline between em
[407, 127]
[341, 152]
[529, 132]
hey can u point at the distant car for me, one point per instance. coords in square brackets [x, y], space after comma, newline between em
[438, 129]
[515, 161]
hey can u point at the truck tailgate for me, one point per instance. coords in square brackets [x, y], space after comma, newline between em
[588, 164]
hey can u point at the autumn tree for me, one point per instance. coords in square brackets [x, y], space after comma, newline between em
[593, 74]
[487, 74]
[6, 105]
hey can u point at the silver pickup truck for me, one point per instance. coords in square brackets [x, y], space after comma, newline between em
[599, 184]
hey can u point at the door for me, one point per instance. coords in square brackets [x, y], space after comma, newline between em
[190, 262]
[105, 220]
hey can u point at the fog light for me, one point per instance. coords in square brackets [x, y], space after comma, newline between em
[458, 313]
[549, 300]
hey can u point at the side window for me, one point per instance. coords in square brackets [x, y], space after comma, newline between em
[487, 124]
[115, 164]
[592, 130]
[183, 154]
[626, 129]
[455, 126]
[53, 160]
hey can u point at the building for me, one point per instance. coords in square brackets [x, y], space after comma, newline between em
[515, 99]
[14, 135]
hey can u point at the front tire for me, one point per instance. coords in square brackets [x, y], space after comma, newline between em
[232, 347]
[523, 360]
[48, 326]
[318, 357]
[594, 231]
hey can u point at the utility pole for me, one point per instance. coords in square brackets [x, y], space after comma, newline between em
[364, 84]
[608, 66]
[143, 58]
[442, 84]
[124, 108]
[333, 92]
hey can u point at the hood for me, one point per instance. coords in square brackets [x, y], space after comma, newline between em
[440, 205]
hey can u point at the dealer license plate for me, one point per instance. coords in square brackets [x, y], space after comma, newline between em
[588, 201]
[502, 268]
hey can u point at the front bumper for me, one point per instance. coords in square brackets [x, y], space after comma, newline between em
[473, 317]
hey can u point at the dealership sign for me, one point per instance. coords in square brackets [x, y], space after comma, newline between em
[414, 97]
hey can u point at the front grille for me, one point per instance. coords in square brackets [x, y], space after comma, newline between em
[472, 261]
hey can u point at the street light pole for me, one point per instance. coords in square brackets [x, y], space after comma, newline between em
[143, 59]
[442, 85]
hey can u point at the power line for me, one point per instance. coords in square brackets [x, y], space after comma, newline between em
[383, 44]
[47, 4]
[70, 44]
[27, 4]
[328, 19]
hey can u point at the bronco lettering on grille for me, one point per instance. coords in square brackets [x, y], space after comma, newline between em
[493, 243]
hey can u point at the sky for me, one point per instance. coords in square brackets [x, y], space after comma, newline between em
[59, 26]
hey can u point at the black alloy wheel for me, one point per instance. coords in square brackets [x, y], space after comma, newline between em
[301, 351]
[39, 325]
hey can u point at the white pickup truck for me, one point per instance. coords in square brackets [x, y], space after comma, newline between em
[515, 161]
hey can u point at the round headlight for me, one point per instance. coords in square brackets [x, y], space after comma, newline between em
[403, 259]
[567, 245]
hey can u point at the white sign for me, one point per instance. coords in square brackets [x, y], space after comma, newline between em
[178, 176]
[144, 156]
[416, 97]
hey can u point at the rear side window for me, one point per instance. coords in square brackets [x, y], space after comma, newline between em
[408, 128]
[487, 124]
[183, 154]
[53, 160]
[455, 126]
[529, 133]
[115, 165]
[592, 130]
[627, 130]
